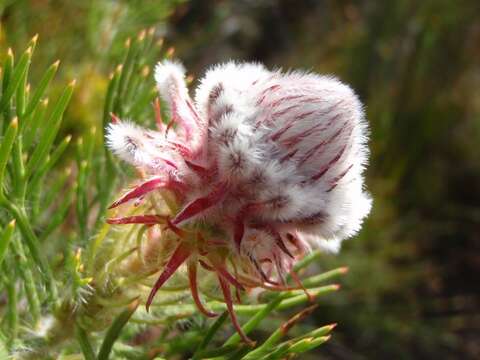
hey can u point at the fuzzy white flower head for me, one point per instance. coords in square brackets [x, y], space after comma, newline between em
[264, 166]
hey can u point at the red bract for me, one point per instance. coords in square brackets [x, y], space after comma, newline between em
[263, 167]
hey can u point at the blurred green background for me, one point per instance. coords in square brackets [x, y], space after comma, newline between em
[413, 286]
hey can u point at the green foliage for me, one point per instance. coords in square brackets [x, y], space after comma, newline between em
[17, 164]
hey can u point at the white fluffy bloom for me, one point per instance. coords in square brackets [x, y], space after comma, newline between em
[273, 161]
[288, 149]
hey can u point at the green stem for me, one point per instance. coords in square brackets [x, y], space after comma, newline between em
[24, 269]
[84, 343]
[33, 246]
[12, 313]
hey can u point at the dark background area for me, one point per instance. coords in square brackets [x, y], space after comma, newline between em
[413, 286]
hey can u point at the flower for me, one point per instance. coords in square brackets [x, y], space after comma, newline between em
[262, 167]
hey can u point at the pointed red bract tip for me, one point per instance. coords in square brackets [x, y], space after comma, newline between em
[239, 222]
[279, 241]
[199, 169]
[201, 204]
[223, 272]
[238, 232]
[344, 270]
[228, 300]
[192, 277]
[141, 190]
[205, 265]
[138, 219]
[176, 230]
[180, 255]
[115, 118]
[295, 278]
[297, 318]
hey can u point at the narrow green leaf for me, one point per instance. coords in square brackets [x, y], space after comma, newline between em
[276, 336]
[132, 352]
[6, 148]
[18, 178]
[110, 97]
[210, 333]
[7, 75]
[93, 246]
[114, 331]
[307, 260]
[307, 344]
[143, 102]
[33, 42]
[60, 213]
[84, 343]
[255, 320]
[309, 283]
[137, 80]
[34, 122]
[149, 40]
[5, 238]
[127, 65]
[278, 352]
[90, 145]
[18, 72]
[25, 266]
[322, 331]
[55, 188]
[318, 279]
[50, 130]
[33, 246]
[85, 149]
[41, 87]
[224, 350]
[239, 354]
[51, 161]
[82, 202]
[21, 96]
[7, 70]
[11, 315]
[303, 298]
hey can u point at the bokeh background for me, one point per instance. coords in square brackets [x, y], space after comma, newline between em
[413, 290]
